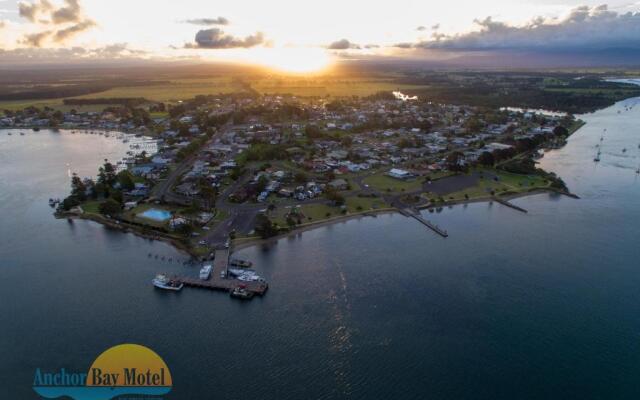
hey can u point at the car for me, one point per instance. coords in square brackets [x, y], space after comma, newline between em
[202, 243]
[206, 228]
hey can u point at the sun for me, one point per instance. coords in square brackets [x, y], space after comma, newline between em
[291, 60]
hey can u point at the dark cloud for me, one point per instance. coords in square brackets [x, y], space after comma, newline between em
[404, 45]
[585, 28]
[215, 38]
[71, 12]
[208, 21]
[421, 28]
[31, 11]
[342, 44]
[67, 21]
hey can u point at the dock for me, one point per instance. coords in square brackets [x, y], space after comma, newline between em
[415, 214]
[509, 204]
[217, 282]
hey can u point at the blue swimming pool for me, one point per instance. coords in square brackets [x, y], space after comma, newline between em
[156, 215]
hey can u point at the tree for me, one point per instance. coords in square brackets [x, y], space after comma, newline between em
[262, 183]
[107, 174]
[486, 158]
[78, 188]
[454, 161]
[125, 180]
[209, 195]
[560, 131]
[264, 227]
[334, 196]
[109, 207]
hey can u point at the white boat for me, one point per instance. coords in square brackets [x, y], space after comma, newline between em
[245, 275]
[205, 272]
[162, 282]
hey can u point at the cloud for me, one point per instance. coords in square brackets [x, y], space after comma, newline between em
[208, 21]
[342, 44]
[67, 33]
[421, 28]
[35, 39]
[584, 28]
[215, 38]
[31, 11]
[71, 12]
[112, 52]
[62, 23]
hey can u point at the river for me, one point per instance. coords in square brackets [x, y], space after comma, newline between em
[511, 305]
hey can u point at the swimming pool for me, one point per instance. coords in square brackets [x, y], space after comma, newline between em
[156, 215]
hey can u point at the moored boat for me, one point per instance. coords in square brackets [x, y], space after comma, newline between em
[205, 272]
[237, 262]
[163, 282]
[242, 293]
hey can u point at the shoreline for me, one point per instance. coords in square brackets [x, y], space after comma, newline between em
[246, 242]
[243, 243]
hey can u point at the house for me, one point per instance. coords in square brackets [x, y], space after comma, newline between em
[399, 173]
[339, 184]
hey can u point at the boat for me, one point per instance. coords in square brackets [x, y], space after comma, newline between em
[624, 150]
[241, 293]
[237, 262]
[205, 272]
[21, 133]
[162, 282]
[245, 275]
[597, 158]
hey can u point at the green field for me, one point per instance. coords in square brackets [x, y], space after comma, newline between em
[179, 89]
[385, 183]
[329, 87]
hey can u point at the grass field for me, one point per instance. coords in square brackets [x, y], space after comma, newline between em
[179, 89]
[328, 87]
[507, 183]
[385, 183]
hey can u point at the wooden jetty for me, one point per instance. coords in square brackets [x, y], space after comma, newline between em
[223, 282]
[416, 215]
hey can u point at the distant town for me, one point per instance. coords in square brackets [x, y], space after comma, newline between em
[242, 168]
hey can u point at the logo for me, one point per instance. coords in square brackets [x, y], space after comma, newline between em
[127, 369]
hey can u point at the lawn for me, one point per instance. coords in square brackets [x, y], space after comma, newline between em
[385, 183]
[359, 204]
[506, 183]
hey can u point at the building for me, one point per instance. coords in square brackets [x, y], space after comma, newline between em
[399, 173]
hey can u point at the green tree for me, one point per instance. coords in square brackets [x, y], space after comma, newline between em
[125, 180]
[110, 207]
[264, 227]
[78, 188]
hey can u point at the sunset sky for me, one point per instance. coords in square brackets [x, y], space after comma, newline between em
[303, 35]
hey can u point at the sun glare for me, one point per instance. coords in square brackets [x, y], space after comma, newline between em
[290, 60]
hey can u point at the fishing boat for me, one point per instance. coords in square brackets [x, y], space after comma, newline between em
[162, 282]
[205, 272]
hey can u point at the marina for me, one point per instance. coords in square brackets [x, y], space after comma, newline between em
[219, 277]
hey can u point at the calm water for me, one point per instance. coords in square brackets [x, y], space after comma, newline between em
[528, 306]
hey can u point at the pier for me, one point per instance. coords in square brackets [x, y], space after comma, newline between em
[416, 215]
[509, 204]
[220, 283]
